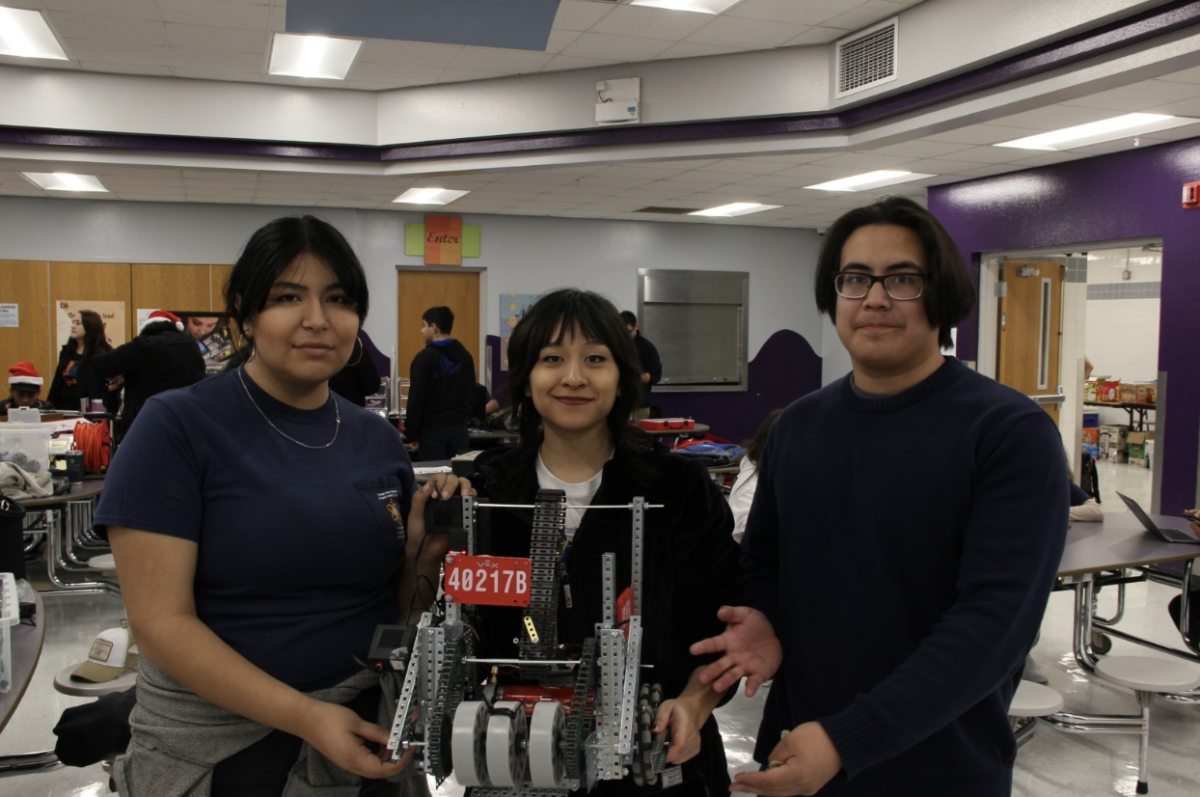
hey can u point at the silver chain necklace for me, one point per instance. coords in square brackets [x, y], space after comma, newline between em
[337, 424]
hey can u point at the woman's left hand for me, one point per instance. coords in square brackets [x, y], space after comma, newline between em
[683, 718]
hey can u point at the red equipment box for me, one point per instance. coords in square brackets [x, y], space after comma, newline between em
[663, 424]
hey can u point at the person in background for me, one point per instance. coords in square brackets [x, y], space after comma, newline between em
[162, 357]
[573, 378]
[199, 326]
[264, 527]
[24, 388]
[360, 377]
[439, 395]
[943, 490]
[741, 495]
[482, 404]
[73, 378]
[650, 363]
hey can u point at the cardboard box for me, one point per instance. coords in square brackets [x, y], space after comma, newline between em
[1137, 447]
[1091, 389]
[1091, 435]
[1109, 391]
[1129, 393]
[1147, 392]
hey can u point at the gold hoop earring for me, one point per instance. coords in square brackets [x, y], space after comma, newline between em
[360, 353]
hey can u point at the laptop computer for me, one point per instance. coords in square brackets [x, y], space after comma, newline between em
[1164, 533]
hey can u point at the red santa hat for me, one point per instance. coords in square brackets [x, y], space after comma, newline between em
[23, 373]
[159, 316]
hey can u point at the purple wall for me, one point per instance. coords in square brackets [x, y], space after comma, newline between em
[1132, 194]
[785, 369]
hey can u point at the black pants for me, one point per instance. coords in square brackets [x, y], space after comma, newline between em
[261, 770]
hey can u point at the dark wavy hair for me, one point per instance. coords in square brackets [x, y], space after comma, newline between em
[949, 295]
[552, 318]
[94, 341]
[273, 247]
[754, 448]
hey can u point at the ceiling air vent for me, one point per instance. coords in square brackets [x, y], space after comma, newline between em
[867, 58]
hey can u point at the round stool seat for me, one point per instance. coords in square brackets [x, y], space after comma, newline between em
[1034, 700]
[103, 562]
[64, 683]
[1147, 674]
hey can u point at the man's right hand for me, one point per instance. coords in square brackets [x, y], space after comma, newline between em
[750, 647]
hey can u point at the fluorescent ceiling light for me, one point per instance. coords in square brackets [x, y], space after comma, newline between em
[63, 181]
[26, 34]
[1131, 124]
[869, 180]
[312, 56]
[699, 6]
[734, 209]
[429, 196]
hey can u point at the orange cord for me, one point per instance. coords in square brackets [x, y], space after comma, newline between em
[94, 440]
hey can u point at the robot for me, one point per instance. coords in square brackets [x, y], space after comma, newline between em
[551, 724]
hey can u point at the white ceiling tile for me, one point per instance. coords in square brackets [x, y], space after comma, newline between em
[129, 9]
[497, 60]
[737, 166]
[650, 23]
[863, 161]
[863, 14]
[797, 12]
[1139, 96]
[388, 51]
[989, 155]
[40, 63]
[218, 13]
[752, 34]
[817, 35]
[127, 69]
[695, 49]
[400, 74]
[619, 48]
[463, 75]
[979, 134]
[579, 15]
[1184, 76]
[941, 166]
[277, 18]
[116, 52]
[685, 186]
[565, 62]
[1181, 108]
[920, 148]
[241, 77]
[184, 58]
[1052, 117]
[112, 29]
[200, 37]
[560, 39]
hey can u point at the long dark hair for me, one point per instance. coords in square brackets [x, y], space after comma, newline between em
[273, 247]
[559, 314]
[754, 448]
[950, 294]
[94, 341]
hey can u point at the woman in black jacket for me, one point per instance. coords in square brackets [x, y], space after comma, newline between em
[73, 377]
[573, 380]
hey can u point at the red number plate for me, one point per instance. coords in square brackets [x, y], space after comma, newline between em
[487, 580]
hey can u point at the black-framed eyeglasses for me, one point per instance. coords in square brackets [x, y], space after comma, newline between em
[901, 287]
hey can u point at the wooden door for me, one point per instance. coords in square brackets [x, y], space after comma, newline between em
[1030, 337]
[25, 284]
[177, 288]
[417, 291]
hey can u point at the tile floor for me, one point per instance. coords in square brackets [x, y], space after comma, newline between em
[1053, 764]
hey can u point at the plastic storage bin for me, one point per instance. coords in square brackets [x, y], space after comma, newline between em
[10, 615]
[26, 445]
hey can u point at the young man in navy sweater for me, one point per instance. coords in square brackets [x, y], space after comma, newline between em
[904, 538]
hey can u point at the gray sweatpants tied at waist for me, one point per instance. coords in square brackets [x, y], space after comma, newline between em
[178, 737]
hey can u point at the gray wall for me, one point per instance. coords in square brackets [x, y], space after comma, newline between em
[521, 254]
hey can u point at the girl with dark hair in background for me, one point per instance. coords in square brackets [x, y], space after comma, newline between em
[73, 379]
[574, 378]
[264, 527]
[741, 495]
